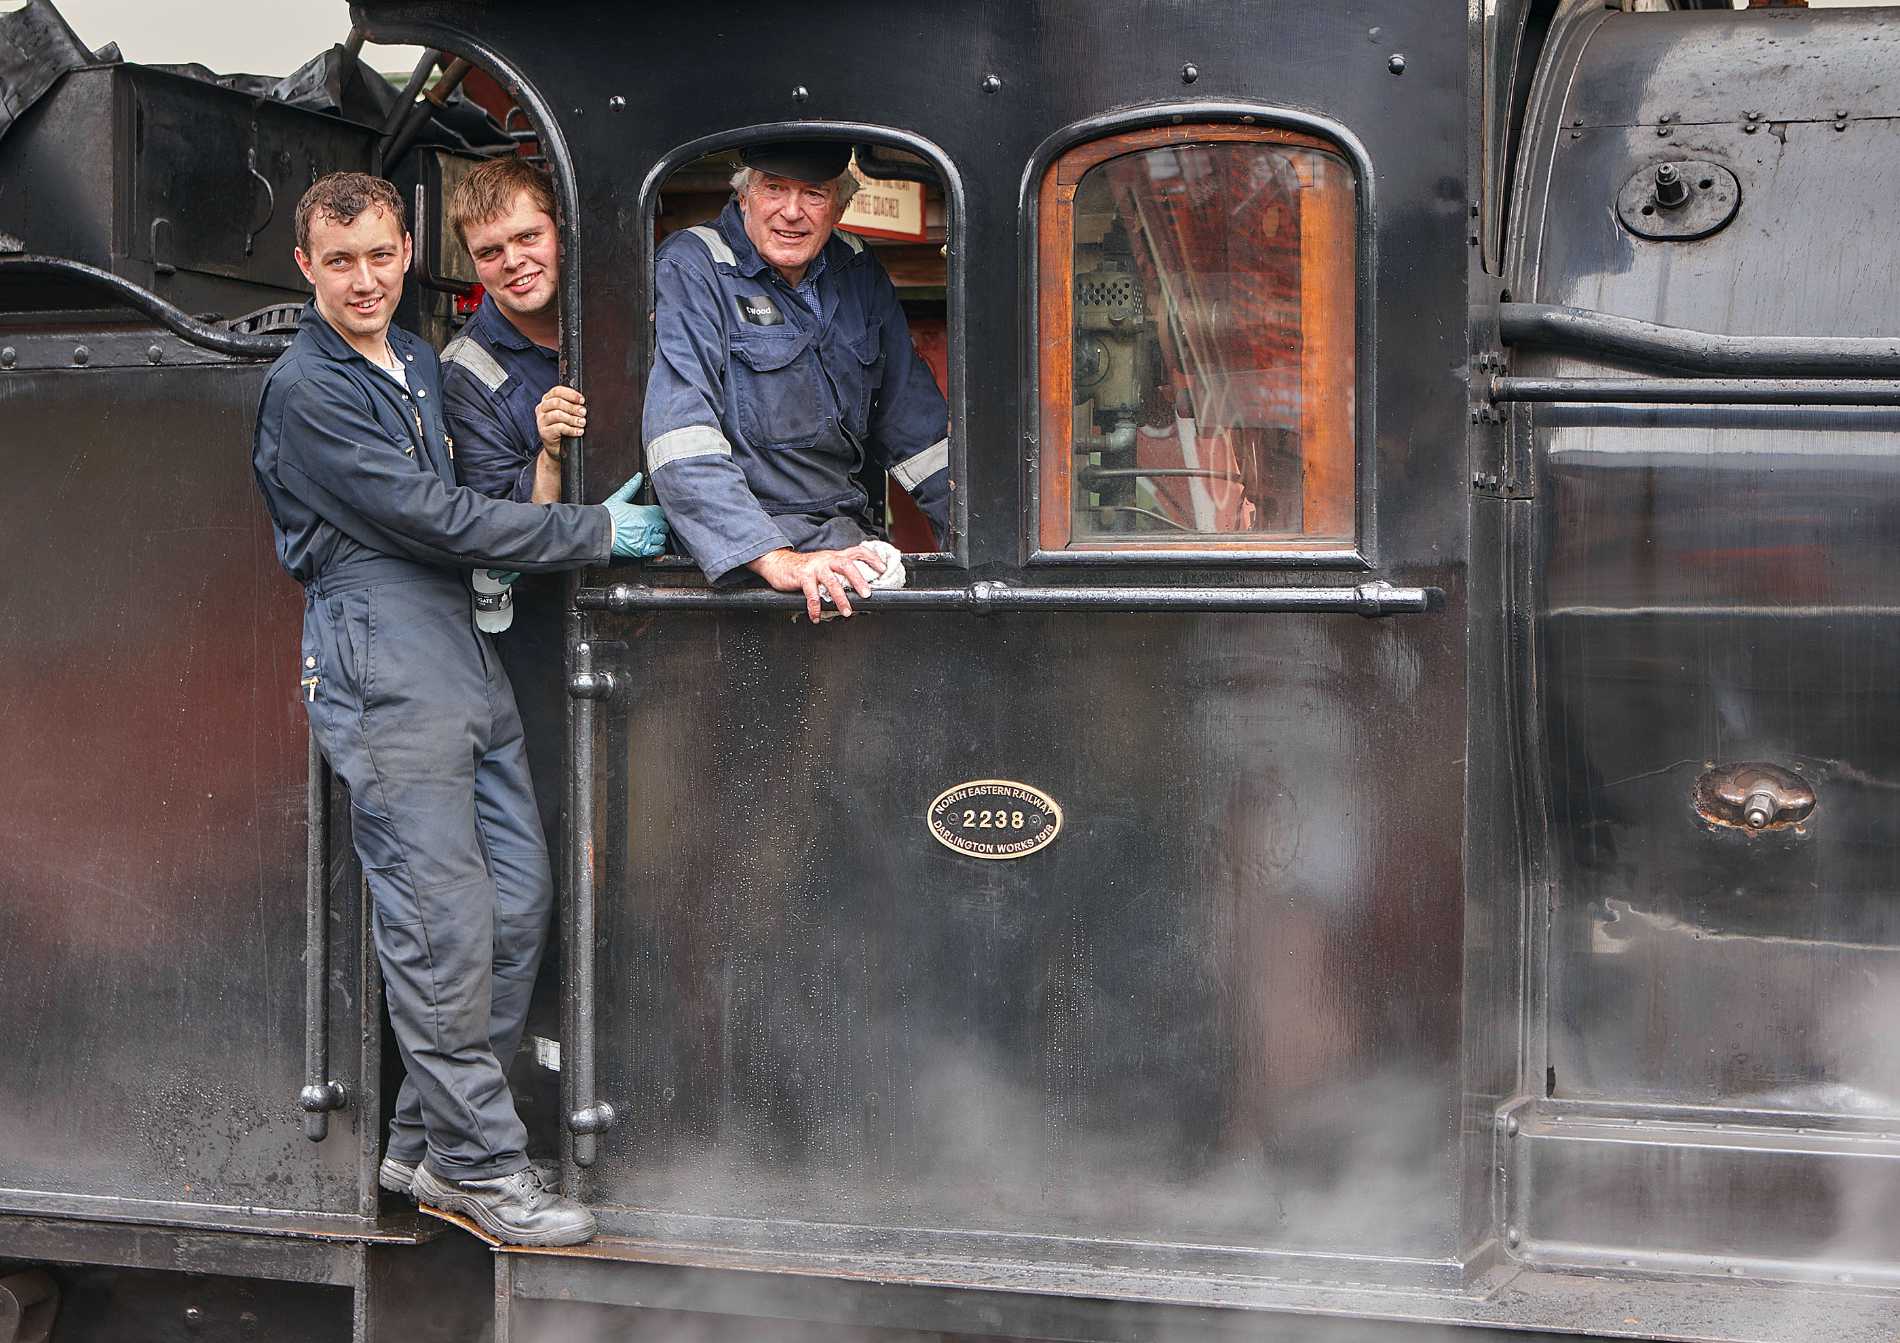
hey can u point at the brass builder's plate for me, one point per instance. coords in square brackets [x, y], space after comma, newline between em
[994, 818]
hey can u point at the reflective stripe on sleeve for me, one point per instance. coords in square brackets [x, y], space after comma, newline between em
[694, 440]
[464, 351]
[915, 470]
[715, 243]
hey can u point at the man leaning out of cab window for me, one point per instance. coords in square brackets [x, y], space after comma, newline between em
[782, 362]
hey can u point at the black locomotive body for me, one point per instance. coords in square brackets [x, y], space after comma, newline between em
[1431, 615]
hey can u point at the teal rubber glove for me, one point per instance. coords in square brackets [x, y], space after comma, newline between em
[639, 529]
[505, 577]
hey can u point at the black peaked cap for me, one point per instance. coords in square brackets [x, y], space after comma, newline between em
[800, 160]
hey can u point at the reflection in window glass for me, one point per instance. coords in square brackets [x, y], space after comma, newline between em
[1209, 323]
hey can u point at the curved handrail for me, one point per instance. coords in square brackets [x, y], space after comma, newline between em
[174, 319]
[1586, 331]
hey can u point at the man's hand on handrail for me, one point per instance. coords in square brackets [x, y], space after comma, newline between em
[820, 574]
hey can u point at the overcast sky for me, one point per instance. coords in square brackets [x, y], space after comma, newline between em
[259, 37]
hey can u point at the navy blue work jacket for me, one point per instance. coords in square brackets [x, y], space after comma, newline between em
[492, 379]
[759, 412]
[356, 472]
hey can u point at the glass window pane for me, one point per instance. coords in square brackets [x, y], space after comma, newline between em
[1209, 324]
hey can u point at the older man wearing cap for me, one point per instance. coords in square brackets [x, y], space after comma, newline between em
[782, 362]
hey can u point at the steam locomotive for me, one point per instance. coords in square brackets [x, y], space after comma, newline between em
[1379, 823]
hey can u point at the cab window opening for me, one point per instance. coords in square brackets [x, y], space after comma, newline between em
[899, 212]
[1198, 321]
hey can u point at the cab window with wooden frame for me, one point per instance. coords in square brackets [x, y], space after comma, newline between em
[1198, 323]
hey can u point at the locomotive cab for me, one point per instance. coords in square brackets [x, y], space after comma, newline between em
[1373, 821]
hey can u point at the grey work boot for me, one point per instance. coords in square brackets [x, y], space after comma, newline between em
[395, 1176]
[515, 1209]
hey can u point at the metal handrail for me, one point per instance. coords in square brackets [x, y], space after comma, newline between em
[176, 320]
[321, 1094]
[1377, 598]
[588, 1116]
[1700, 391]
[1586, 331]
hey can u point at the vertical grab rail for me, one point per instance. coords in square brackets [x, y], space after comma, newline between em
[320, 1094]
[587, 1116]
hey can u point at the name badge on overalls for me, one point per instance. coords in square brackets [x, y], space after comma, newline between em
[758, 310]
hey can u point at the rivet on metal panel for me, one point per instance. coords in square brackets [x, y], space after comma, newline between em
[193, 1316]
[1663, 131]
[1666, 118]
[155, 353]
[1511, 1126]
[1190, 72]
[1840, 125]
[617, 102]
[1396, 63]
[1751, 128]
[81, 355]
[991, 83]
[1513, 1237]
[800, 93]
[9, 357]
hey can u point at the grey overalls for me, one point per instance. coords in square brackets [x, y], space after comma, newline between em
[412, 710]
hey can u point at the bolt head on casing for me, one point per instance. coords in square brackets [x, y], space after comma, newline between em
[1678, 201]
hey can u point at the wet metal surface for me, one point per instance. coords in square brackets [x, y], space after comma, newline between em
[1713, 592]
[1222, 1010]
[152, 870]
[976, 1297]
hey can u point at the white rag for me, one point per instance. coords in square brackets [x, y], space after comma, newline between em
[891, 577]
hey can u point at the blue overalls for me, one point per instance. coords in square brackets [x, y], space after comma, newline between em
[414, 713]
[760, 411]
[492, 379]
